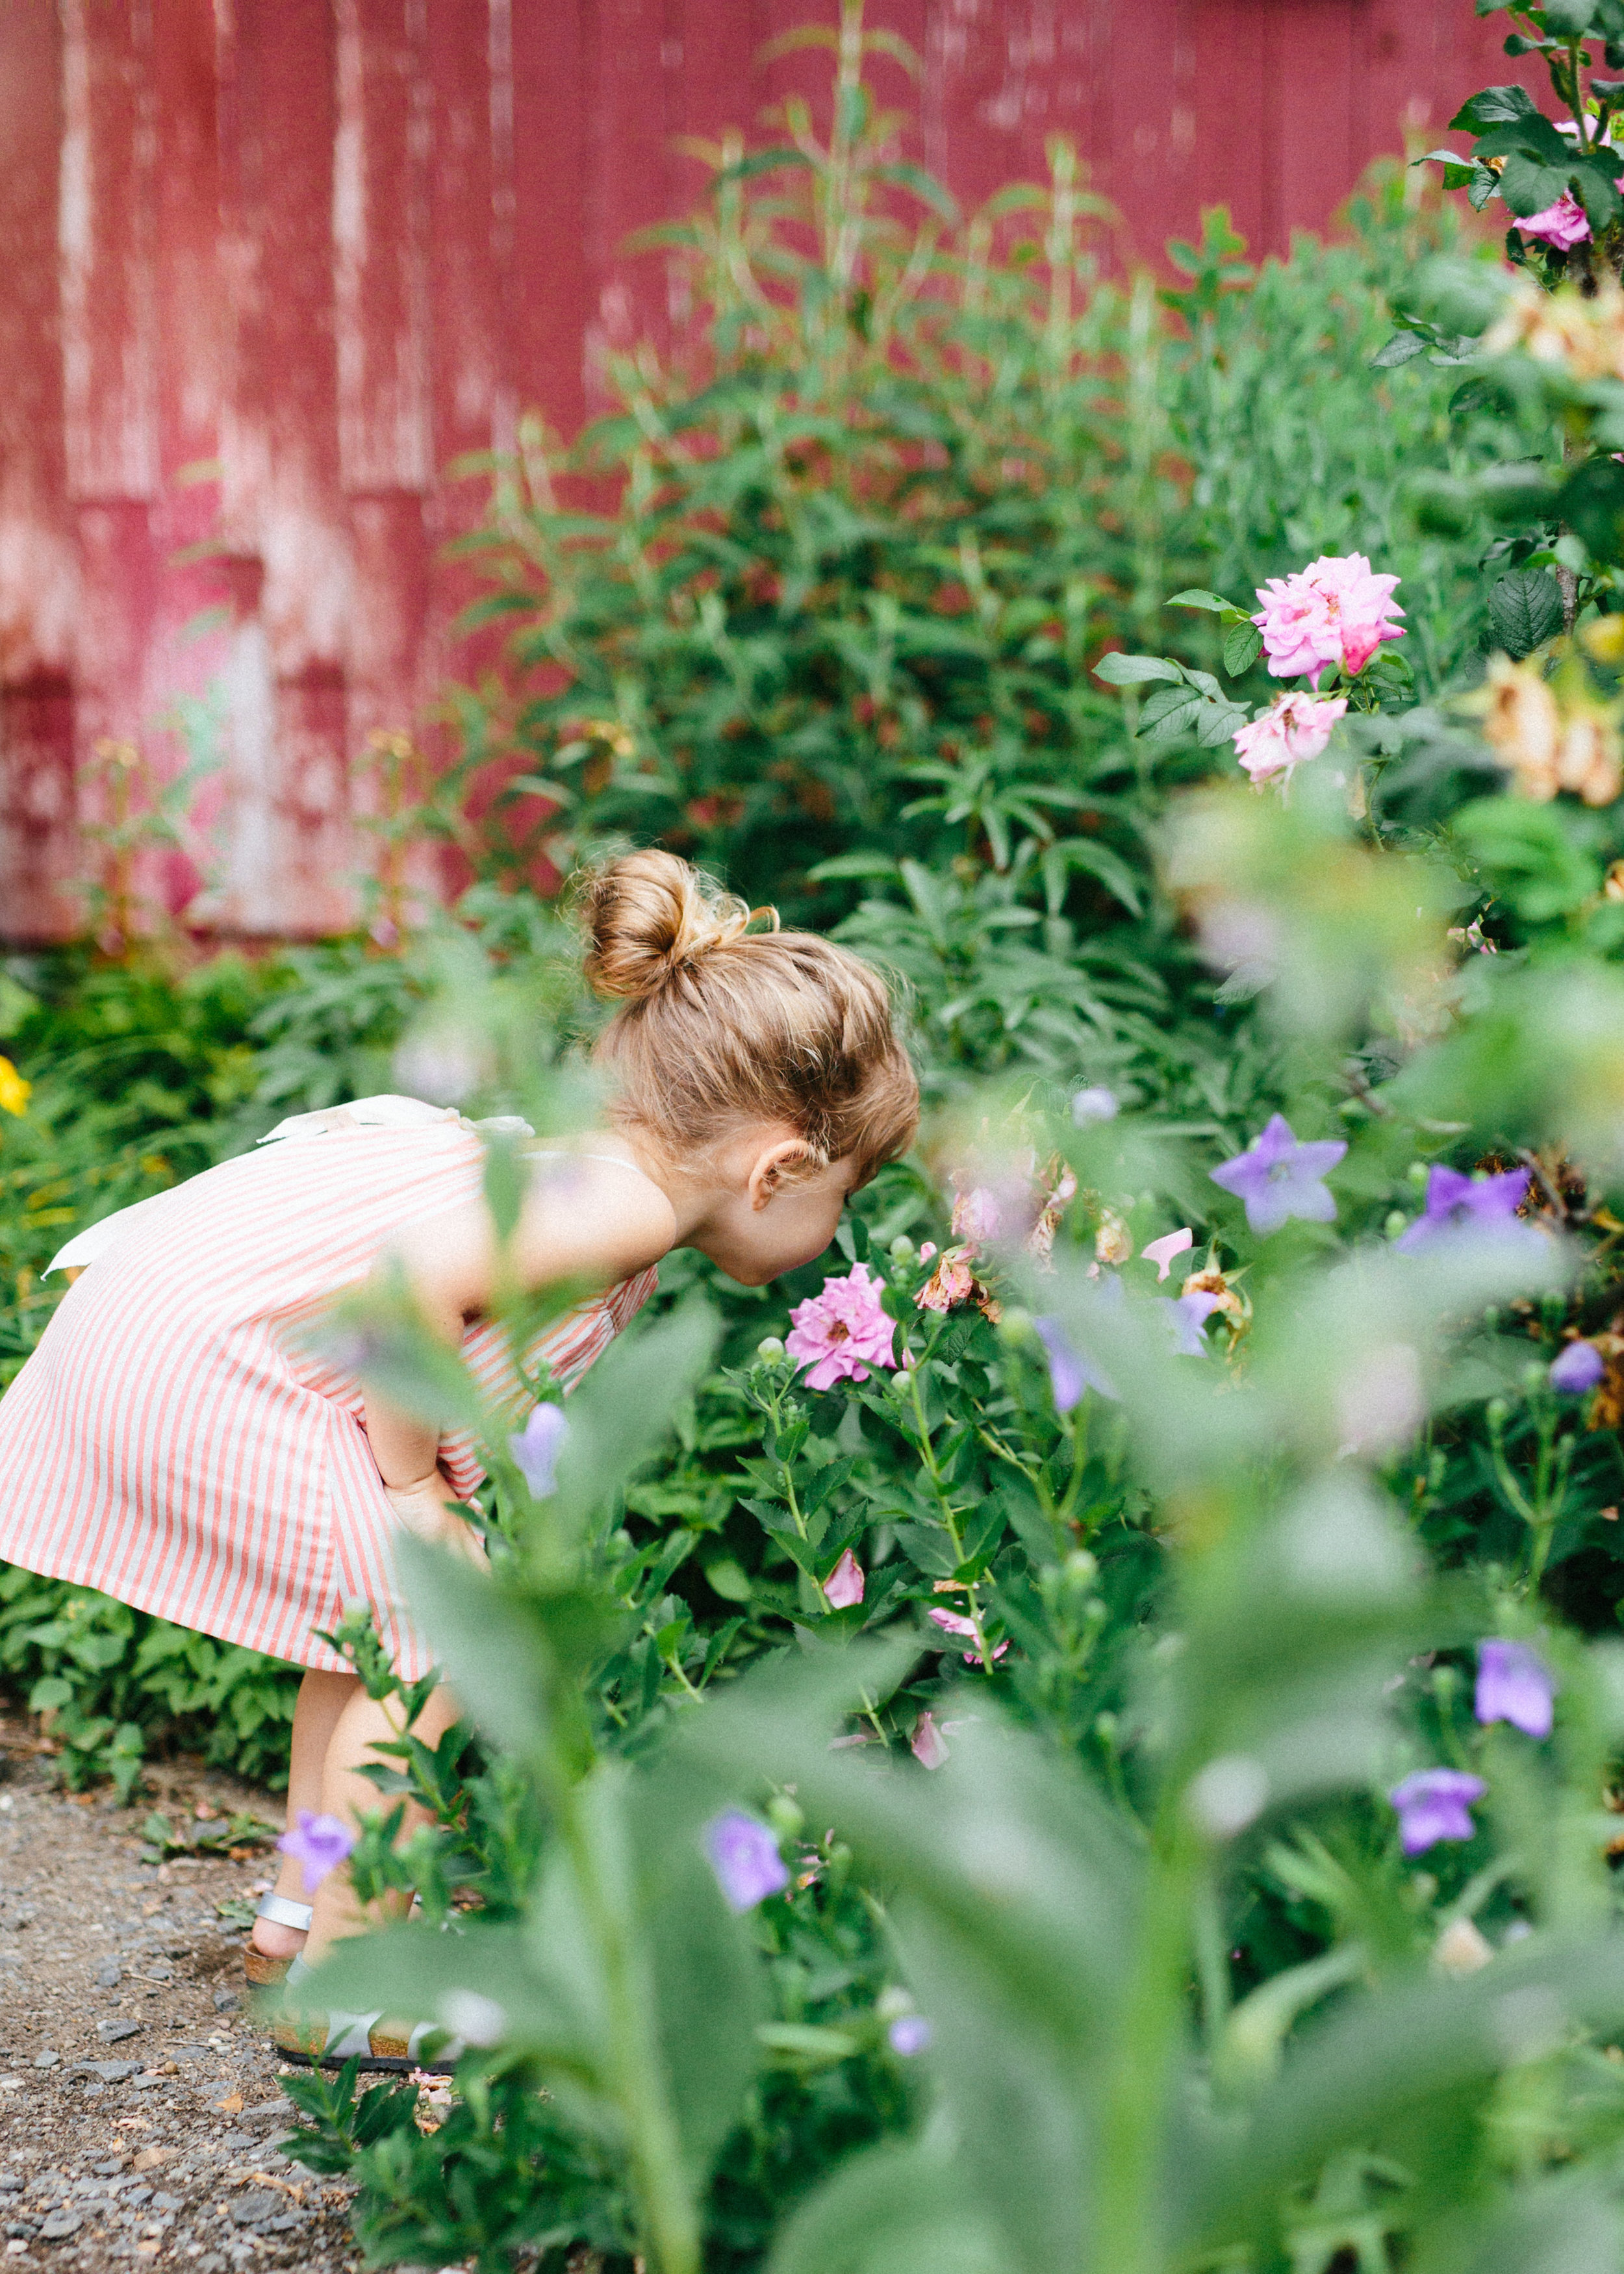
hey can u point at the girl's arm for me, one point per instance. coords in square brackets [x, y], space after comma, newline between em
[587, 1220]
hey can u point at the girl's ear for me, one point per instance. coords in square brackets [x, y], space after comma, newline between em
[772, 1169]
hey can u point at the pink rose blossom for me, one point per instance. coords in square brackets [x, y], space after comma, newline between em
[953, 1623]
[1293, 727]
[977, 1217]
[1559, 225]
[843, 1587]
[1336, 610]
[842, 1332]
[1161, 1252]
[927, 1745]
[927, 1251]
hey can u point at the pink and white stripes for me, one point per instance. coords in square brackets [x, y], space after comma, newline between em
[174, 1442]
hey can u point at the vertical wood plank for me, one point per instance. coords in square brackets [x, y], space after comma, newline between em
[549, 215]
[283, 522]
[39, 568]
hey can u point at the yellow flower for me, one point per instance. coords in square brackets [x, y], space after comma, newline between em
[13, 1089]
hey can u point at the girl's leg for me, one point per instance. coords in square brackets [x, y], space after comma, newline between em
[322, 1700]
[345, 1793]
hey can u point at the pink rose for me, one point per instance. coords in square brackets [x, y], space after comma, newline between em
[1559, 225]
[843, 1587]
[1293, 727]
[1337, 610]
[927, 1745]
[843, 1332]
[977, 1217]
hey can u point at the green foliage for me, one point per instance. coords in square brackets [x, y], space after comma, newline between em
[915, 594]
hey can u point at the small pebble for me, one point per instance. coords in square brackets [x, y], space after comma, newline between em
[60, 2224]
[115, 2030]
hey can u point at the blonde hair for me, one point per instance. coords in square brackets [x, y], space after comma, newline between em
[722, 1027]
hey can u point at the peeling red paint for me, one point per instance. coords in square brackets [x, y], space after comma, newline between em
[273, 265]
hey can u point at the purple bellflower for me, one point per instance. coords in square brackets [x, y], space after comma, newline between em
[908, 2035]
[745, 1856]
[1278, 1178]
[1070, 1373]
[537, 1447]
[1457, 1203]
[1580, 1367]
[1514, 1685]
[317, 1845]
[1434, 1805]
[1187, 1317]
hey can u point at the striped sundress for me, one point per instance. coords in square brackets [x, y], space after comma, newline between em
[176, 1443]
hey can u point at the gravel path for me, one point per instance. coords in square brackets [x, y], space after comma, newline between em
[139, 2106]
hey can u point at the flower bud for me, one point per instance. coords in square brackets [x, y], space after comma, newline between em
[902, 1249]
[1081, 1567]
[785, 1817]
[1015, 1325]
[771, 1347]
[1394, 1223]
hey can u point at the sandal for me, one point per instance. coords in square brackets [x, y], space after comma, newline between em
[322, 2036]
[263, 1971]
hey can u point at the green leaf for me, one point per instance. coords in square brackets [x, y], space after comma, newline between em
[1525, 610]
[1492, 107]
[1591, 501]
[1529, 854]
[1172, 710]
[1568, 20]
[1242, 646]
[491, 1639]
[1134, 670]
[1198, 598]
[1529, 187]
[412, 1970]
[895, 2210]
[709, 1996]
[1403, 347]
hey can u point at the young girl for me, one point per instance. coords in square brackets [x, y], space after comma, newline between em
[175, 1441]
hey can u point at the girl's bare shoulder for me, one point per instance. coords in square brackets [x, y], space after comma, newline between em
[594, 1214]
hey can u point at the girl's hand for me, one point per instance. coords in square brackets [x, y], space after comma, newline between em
[423, 1507]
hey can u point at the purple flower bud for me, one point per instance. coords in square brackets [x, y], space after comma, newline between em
[1090, 1105]
[319, 1845]
[745, 1856]
[537, 1447]
[908, 2035]
[1580, 1367]
[1433, 1805]
[1513, 1685]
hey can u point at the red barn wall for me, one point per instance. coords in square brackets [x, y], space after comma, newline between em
[270, 265]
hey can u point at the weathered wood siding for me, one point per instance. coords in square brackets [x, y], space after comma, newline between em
[269, 266]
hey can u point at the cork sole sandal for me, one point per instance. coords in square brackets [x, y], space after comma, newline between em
[263, 1971]
[320, 2037]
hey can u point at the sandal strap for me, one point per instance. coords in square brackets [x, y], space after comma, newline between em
[282, 1910]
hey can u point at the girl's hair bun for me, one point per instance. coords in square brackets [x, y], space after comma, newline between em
[648, 915]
